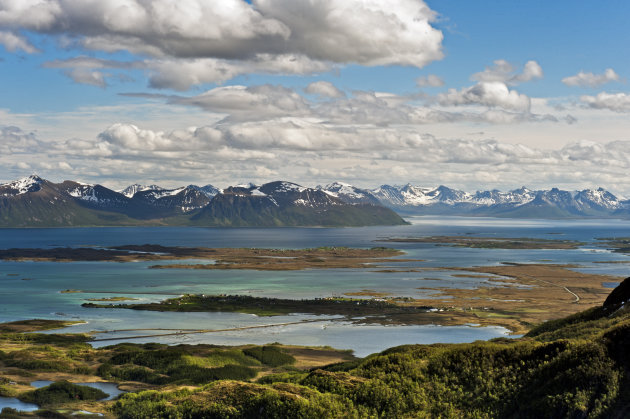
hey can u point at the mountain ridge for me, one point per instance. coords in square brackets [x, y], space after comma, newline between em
[517, 203]
[36, 202]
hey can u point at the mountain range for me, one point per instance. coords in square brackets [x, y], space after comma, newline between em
[518, 203]
[36, 202]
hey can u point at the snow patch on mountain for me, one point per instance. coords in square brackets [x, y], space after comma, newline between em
[21, 186]
[288, 187]
[131, 190]
[208, 190]
[84, 192]
[258, 192]
[161, 193]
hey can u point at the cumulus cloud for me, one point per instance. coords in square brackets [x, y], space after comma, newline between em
[324, 89]
[363, 32]
[616, 102]
[308, 151]
[583, 79]
[505, 72]
[182, 74]
[487, 93]
[130, 137]
[429, 81]
[250, 103]
[267, 102]
[214, 41]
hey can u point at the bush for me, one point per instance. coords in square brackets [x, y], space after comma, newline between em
[62, 392]
[270, 355]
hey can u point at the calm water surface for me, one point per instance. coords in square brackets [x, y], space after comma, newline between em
[32, 289]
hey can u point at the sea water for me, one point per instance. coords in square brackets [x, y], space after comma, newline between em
[34, 289]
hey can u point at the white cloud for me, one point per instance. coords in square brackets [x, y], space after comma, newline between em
[487, 93]
[505, 72]
[430, 80]
[87, 76]
[324, 89]
[617, 102]
[13, 140]
[491, 104]
[250, 103]
[189, 42]
[367, 32]
[583, 79]
[130, 137]
[13, 42]
[181, 74]
[309, 152]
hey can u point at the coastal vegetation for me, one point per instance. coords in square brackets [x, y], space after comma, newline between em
[264, 306]
[571, 367]
[515, 296]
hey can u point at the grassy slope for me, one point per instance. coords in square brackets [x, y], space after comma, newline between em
[574, 367]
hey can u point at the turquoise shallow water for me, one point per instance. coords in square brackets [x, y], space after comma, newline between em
[32, 289]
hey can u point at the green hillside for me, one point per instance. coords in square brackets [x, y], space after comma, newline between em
[576, 367]
[571, 368]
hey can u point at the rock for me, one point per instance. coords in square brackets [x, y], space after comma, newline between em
[619, 295]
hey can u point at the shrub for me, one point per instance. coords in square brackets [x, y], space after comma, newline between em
[270, 355]
[62, 392]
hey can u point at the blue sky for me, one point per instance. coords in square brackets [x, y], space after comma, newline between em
[474, 95]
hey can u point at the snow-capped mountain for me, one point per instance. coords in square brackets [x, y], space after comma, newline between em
[415, 196]
[284, 194]
[184, 199]
[131, 190]
[21, 186]
[349, 194]
[288, 204]
[33, 201]
[94, 194]
[208, 190]
[521, 202]
[598, 199]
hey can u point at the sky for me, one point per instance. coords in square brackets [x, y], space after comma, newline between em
[469, 94]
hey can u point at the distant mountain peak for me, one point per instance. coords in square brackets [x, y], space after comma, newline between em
[131, 190]
[349, 193]
[21, 186]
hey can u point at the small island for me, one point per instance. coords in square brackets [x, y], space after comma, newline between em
[264, 306]
[327, 257]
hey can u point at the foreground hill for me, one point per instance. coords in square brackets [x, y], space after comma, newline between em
[36, 202]
[575, 367]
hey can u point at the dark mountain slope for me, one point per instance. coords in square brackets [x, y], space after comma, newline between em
[287, 204]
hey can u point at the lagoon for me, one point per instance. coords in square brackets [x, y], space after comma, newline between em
[40, 296]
